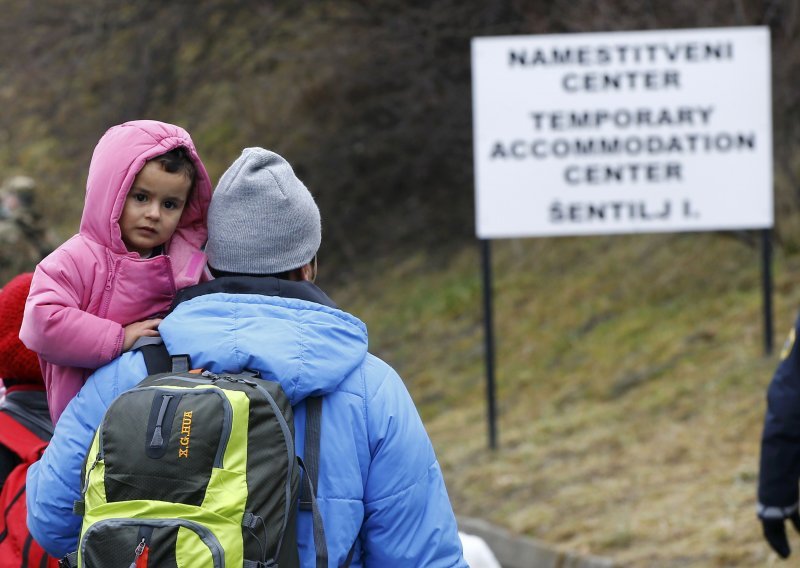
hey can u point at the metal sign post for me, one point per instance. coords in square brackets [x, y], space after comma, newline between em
[486, 259]
[766, 272]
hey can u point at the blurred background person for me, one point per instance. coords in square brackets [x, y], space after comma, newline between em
[24, 238]
[25, 429]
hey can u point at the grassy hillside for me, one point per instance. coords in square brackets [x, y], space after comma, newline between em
[631, 380]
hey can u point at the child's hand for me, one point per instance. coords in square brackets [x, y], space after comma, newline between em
[134, 331]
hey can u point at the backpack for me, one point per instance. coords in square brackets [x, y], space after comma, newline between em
[195, 470]
[17, 547]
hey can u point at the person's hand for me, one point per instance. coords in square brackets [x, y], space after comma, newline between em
[146, 328]
[775, 533]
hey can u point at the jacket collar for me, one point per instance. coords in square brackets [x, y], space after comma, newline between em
[263, 285]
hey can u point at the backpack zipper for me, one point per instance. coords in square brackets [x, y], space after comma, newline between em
[141, 556]
[88, 473]
[137, 554]
[157, 441]
[227, 417]
[207, 537]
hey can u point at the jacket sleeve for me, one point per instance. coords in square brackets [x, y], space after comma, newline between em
[54, 482]
[779, 470]
[408, 517]
[53, 312]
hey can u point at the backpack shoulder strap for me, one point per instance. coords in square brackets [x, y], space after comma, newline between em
[311, 478]
[38, 424]
[310, 465]
[311, 452]
[19, 439]
[158, 360]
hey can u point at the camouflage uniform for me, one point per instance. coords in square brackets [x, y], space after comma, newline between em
[23, 238]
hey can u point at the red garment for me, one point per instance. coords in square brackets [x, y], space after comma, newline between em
[17, 547]
[16, 360]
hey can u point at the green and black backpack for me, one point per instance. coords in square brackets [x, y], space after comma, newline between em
[197, 470]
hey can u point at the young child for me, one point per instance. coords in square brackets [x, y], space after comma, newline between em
[140, 240]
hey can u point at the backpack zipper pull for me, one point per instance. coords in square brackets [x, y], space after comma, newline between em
[138, 556]
[86, 480]
[157, 440]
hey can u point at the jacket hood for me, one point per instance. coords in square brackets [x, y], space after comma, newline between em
[118, 157]
[309, 348]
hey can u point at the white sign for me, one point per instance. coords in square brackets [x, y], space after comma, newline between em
[622, 132]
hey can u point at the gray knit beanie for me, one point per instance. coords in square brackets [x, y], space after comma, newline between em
[262, 219]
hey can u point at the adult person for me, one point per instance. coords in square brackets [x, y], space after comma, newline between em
[24, 240]
[780, 449]
[25, 428]
[380, 487]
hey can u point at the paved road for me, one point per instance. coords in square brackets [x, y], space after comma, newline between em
[513, 551]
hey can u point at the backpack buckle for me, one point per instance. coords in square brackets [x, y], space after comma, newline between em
[69, 561]
[181, 363]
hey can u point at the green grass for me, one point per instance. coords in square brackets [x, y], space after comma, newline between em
[630, 381]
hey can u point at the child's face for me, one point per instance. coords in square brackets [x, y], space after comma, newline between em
[153, 208]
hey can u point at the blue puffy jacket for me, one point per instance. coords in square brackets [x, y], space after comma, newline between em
[380, 484]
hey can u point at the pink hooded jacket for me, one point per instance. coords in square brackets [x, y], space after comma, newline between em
[91, 286]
